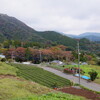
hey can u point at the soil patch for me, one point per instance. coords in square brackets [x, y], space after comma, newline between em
[11, 77]
[81, 92]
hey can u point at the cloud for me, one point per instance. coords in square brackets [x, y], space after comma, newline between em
[67, 16]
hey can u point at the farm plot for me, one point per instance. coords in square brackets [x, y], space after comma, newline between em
[40, 76]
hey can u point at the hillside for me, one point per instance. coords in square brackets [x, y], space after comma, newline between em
[87, 45]
[90, 33]
[13, 87]
[92, 36]
[12, 28]
[58, 38]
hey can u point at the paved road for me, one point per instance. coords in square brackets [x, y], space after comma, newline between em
[90, 85]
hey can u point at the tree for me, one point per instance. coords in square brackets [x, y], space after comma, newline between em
[93, 75]
[20, 54]
[3, 59]
[28, 55]
[46, 54]
[10, 53]
[35, 55]
[6, 44]
[98, 62]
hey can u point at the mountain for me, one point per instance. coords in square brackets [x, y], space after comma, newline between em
[92, 36]
[12, 28]
[58, 38]
[71, 36]
[89, 34]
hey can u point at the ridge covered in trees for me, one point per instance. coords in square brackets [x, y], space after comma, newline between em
[14, 33]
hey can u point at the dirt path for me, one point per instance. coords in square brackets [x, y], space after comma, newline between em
[81, 92]
[89, 85]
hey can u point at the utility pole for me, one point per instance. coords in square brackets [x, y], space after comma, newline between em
[40, 57]
[12, 55]
[78, 59]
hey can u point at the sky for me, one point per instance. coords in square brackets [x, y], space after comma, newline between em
[65, 16]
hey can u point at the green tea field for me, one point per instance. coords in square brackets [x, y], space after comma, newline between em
[40, 76]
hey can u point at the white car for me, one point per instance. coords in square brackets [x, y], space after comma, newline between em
[57, 62]
[26, 63]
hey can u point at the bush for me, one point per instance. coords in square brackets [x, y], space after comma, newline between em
[10, 60]
[93, 75]
[98, 62]
[91, 62]
[73, 70]
[67, 70]
[3, 59]
[55, 85]
[77, 70]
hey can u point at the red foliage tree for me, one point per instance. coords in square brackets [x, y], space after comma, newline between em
[20, 54]
[10, 53]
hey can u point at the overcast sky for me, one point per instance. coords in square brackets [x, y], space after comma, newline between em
[66, 16]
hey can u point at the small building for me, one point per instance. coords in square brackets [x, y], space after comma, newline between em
[2, 56]
[84, 63]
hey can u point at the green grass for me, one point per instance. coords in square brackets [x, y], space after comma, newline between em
[88, 68]
[6, 69]
[54, 96]
[85, 68]
[40, 76]
[15, 89]
[58, 67]
[12, 88]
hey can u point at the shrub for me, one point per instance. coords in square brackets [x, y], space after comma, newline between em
[73, 70]
[10, 60]
[98, 62]
[93, 75]
[3, 59]
[55, 85]
[67, 70]
[77, 70]
[91, 62]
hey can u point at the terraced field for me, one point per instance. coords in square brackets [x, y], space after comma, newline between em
[40, 76]
[14, 88]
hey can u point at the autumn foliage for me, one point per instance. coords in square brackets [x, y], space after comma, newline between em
[49, 54]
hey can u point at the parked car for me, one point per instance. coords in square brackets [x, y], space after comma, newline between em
[26, 63]
[57, 62]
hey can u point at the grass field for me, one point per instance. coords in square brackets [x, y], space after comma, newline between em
[54, 96]
[6, 69]
[40, 76]
[85, 68]
[14, 88]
